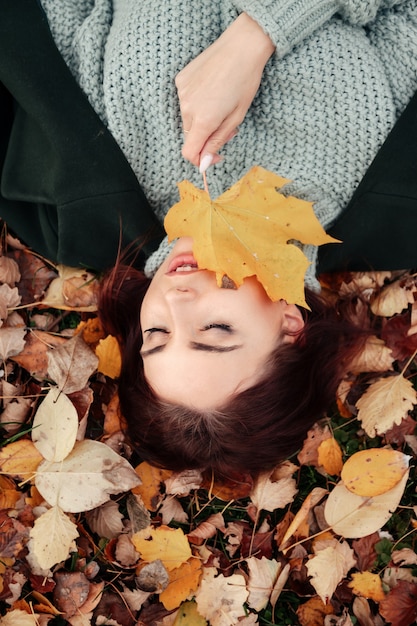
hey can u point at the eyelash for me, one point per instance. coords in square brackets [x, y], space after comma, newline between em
[155, 330]
[224, 327]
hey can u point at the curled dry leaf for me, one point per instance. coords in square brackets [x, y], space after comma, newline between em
[86, 478]
[395, 297]
[71, 365]
[55, 426]
[106, 520]
[207, 529]
[33, 357]
[229, 233]
[375, 471]
[12, 342]
[182, 483]
[385, 403]
[375, 356]
[73, 290]
[52, 537]
[354, 516]
[171, 510]
[9, 298]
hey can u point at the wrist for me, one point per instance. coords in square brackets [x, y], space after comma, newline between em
[252, 34]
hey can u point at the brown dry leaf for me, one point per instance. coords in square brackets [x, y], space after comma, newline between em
[313, 612]
[182, 581]
[329, 567]
[113, 420]
[207, 529]
[167, 544]
[229, 232]
[9, 271]
[268, 496]
[182, 483]
[106, 520]
[9, 298]
[74, 289]
[221, 600]
[375, 356]
[386, 402]
[86, 478]
[399, 607]
[52, 537]
[367, 585]
[34, 358]
[309, 452]
[16, 407]
[55, 426]
[263, 574]
[330, 456]
[395, 297]
[152, 577]
[135, 598]
[354, 516]
[20, 459]
[71, 592]
[171, 510]
[375, 471]
[109, 357]
[405, 556]
[71, 365]
[309, 503]
[12, 342]
[152, 479]
[125, 552]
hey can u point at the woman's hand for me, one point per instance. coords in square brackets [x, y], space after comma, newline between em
[216, 89]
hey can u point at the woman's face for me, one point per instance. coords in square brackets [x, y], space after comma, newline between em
[203, 344]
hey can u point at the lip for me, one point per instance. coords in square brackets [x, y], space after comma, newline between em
[182, 259]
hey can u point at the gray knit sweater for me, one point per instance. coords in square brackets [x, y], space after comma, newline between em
[342, 73]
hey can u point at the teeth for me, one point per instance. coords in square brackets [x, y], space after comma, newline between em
[185, 268]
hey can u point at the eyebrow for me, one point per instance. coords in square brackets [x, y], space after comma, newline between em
[195, 345]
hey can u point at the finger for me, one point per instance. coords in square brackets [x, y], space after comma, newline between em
[199, 141]
[208, 158]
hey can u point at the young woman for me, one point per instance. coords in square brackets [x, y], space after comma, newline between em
[309, 90]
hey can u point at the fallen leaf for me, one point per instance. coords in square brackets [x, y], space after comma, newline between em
[149, 489]
[152, 577]
[354, 516]
[364, 549]
[106, 520]
[182, 582]
[55, 426]
[9, 271]
[86, 478]
[12, 342]
[109, 357]
[395, 297]
[171, 510]
[33, 357]
[182, 483]
[220, 600]
[374, 471]
[16, 407]
[229, 233]
[167, 544]
[268, 496]
[405, 556]
[52, 536]
[385, 403]
[399, 607]
[313, 612]
[328, 568]
[9, 298]
[74, 289]
[263, 574]
[71, 365]
[188, 615]
[20, 459]
[375, 356]
[367, 585]
[8, 493]
[310, 502]
[315, 436]
[71, 592]
[330, 456]
[18, 617]
[207, 529]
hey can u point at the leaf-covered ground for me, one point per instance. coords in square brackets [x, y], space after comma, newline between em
[90, 535]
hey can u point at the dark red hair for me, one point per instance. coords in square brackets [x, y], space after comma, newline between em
[255, 429]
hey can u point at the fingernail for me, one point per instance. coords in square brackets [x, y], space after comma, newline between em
[205, 162]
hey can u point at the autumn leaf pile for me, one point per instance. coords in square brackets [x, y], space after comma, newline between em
[90, 535]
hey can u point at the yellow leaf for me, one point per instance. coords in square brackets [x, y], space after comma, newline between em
[20, 458]
[367, 585]
[169, 545]
[330, 456]
[150, 488]
[109, 357]
[354, 516]
[51, 537]
[385, 403]
[229, 233]
[188, 615]
[8, 493]
[375, 471]
[182, 581]
[310, 501]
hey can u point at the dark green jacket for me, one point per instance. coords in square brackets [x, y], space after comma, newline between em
[66, 187]
[68, 191]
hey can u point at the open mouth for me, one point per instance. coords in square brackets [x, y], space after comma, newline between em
[182, 264]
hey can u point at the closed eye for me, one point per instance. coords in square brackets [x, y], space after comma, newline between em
[150, 331]
[226, 327]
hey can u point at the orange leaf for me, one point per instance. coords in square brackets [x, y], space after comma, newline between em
[150, 489]
[109, 357]
[330, 456]
[367, 585]
[313, 612]
[20, 458]
[182, 581]
[229, 232]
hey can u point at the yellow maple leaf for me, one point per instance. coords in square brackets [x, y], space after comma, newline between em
[367, 585]
[375, 471]
[182, 581]
[248, 231]
[169, 545]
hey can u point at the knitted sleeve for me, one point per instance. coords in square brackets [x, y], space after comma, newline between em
[288, 22]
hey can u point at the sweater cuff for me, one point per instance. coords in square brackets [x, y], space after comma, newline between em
[288, 22]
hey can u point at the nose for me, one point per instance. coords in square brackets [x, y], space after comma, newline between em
[181, 294]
